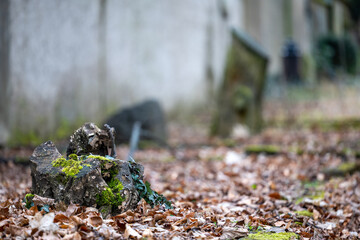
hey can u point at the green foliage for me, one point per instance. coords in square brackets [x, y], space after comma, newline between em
[150, 196]
[335, 52]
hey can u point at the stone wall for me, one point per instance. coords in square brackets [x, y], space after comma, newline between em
[70, 61]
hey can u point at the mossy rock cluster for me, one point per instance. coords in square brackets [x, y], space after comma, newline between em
[96, 181]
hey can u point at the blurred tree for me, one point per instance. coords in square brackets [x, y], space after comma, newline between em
[334, 53]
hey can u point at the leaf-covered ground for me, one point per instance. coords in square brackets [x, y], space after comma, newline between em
[219, 190]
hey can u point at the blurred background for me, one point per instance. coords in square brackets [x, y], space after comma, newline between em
[218, 63]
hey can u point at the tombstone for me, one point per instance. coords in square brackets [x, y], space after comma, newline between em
[291, 61]
[151, 117]
[241, 92]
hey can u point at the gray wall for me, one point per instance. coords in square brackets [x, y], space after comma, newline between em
[72, 61]
[77, 60]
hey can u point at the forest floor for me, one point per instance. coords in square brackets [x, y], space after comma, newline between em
[276, 185]
[298, 182]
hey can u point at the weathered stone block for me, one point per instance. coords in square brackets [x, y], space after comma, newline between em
[91, 180]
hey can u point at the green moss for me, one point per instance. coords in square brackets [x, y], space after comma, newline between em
[272, 236]
[348, 167]
[317, 196]
[305, 213]
[102, 158]
[312, 184]
[28, 200]
[105, 198]
[115, 185]
[72, 166]
[111, 196]
[267, 149]
[29, 195]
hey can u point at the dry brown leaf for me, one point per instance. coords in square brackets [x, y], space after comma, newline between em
[74, 236]
[233, 232]
[4, 211]
[279, 223]
[181, 221]
[76, 220]
[95, 221]
[306, 234]
[131, 233]
[275, 195]
[191, 225]
[22, 221]
[316, 215]
[72, 209]
[15, 230]
[147, 233]
[61, 218]
[158, 217]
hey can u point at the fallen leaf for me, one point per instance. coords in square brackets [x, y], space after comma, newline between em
[316, 215]
[233, 232]
[131, 233]
[306, 234]
[95, 221]
[74, 236]
[279, 223]
[275, 195]
[147, 233]
[61, 218]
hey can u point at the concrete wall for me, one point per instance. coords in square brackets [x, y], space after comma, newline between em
[77, 60]
[264, 21]
[70, 61]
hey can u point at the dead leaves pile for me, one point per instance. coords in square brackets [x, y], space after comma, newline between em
[226, 197]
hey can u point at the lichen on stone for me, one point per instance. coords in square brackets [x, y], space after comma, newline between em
[71, 166]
